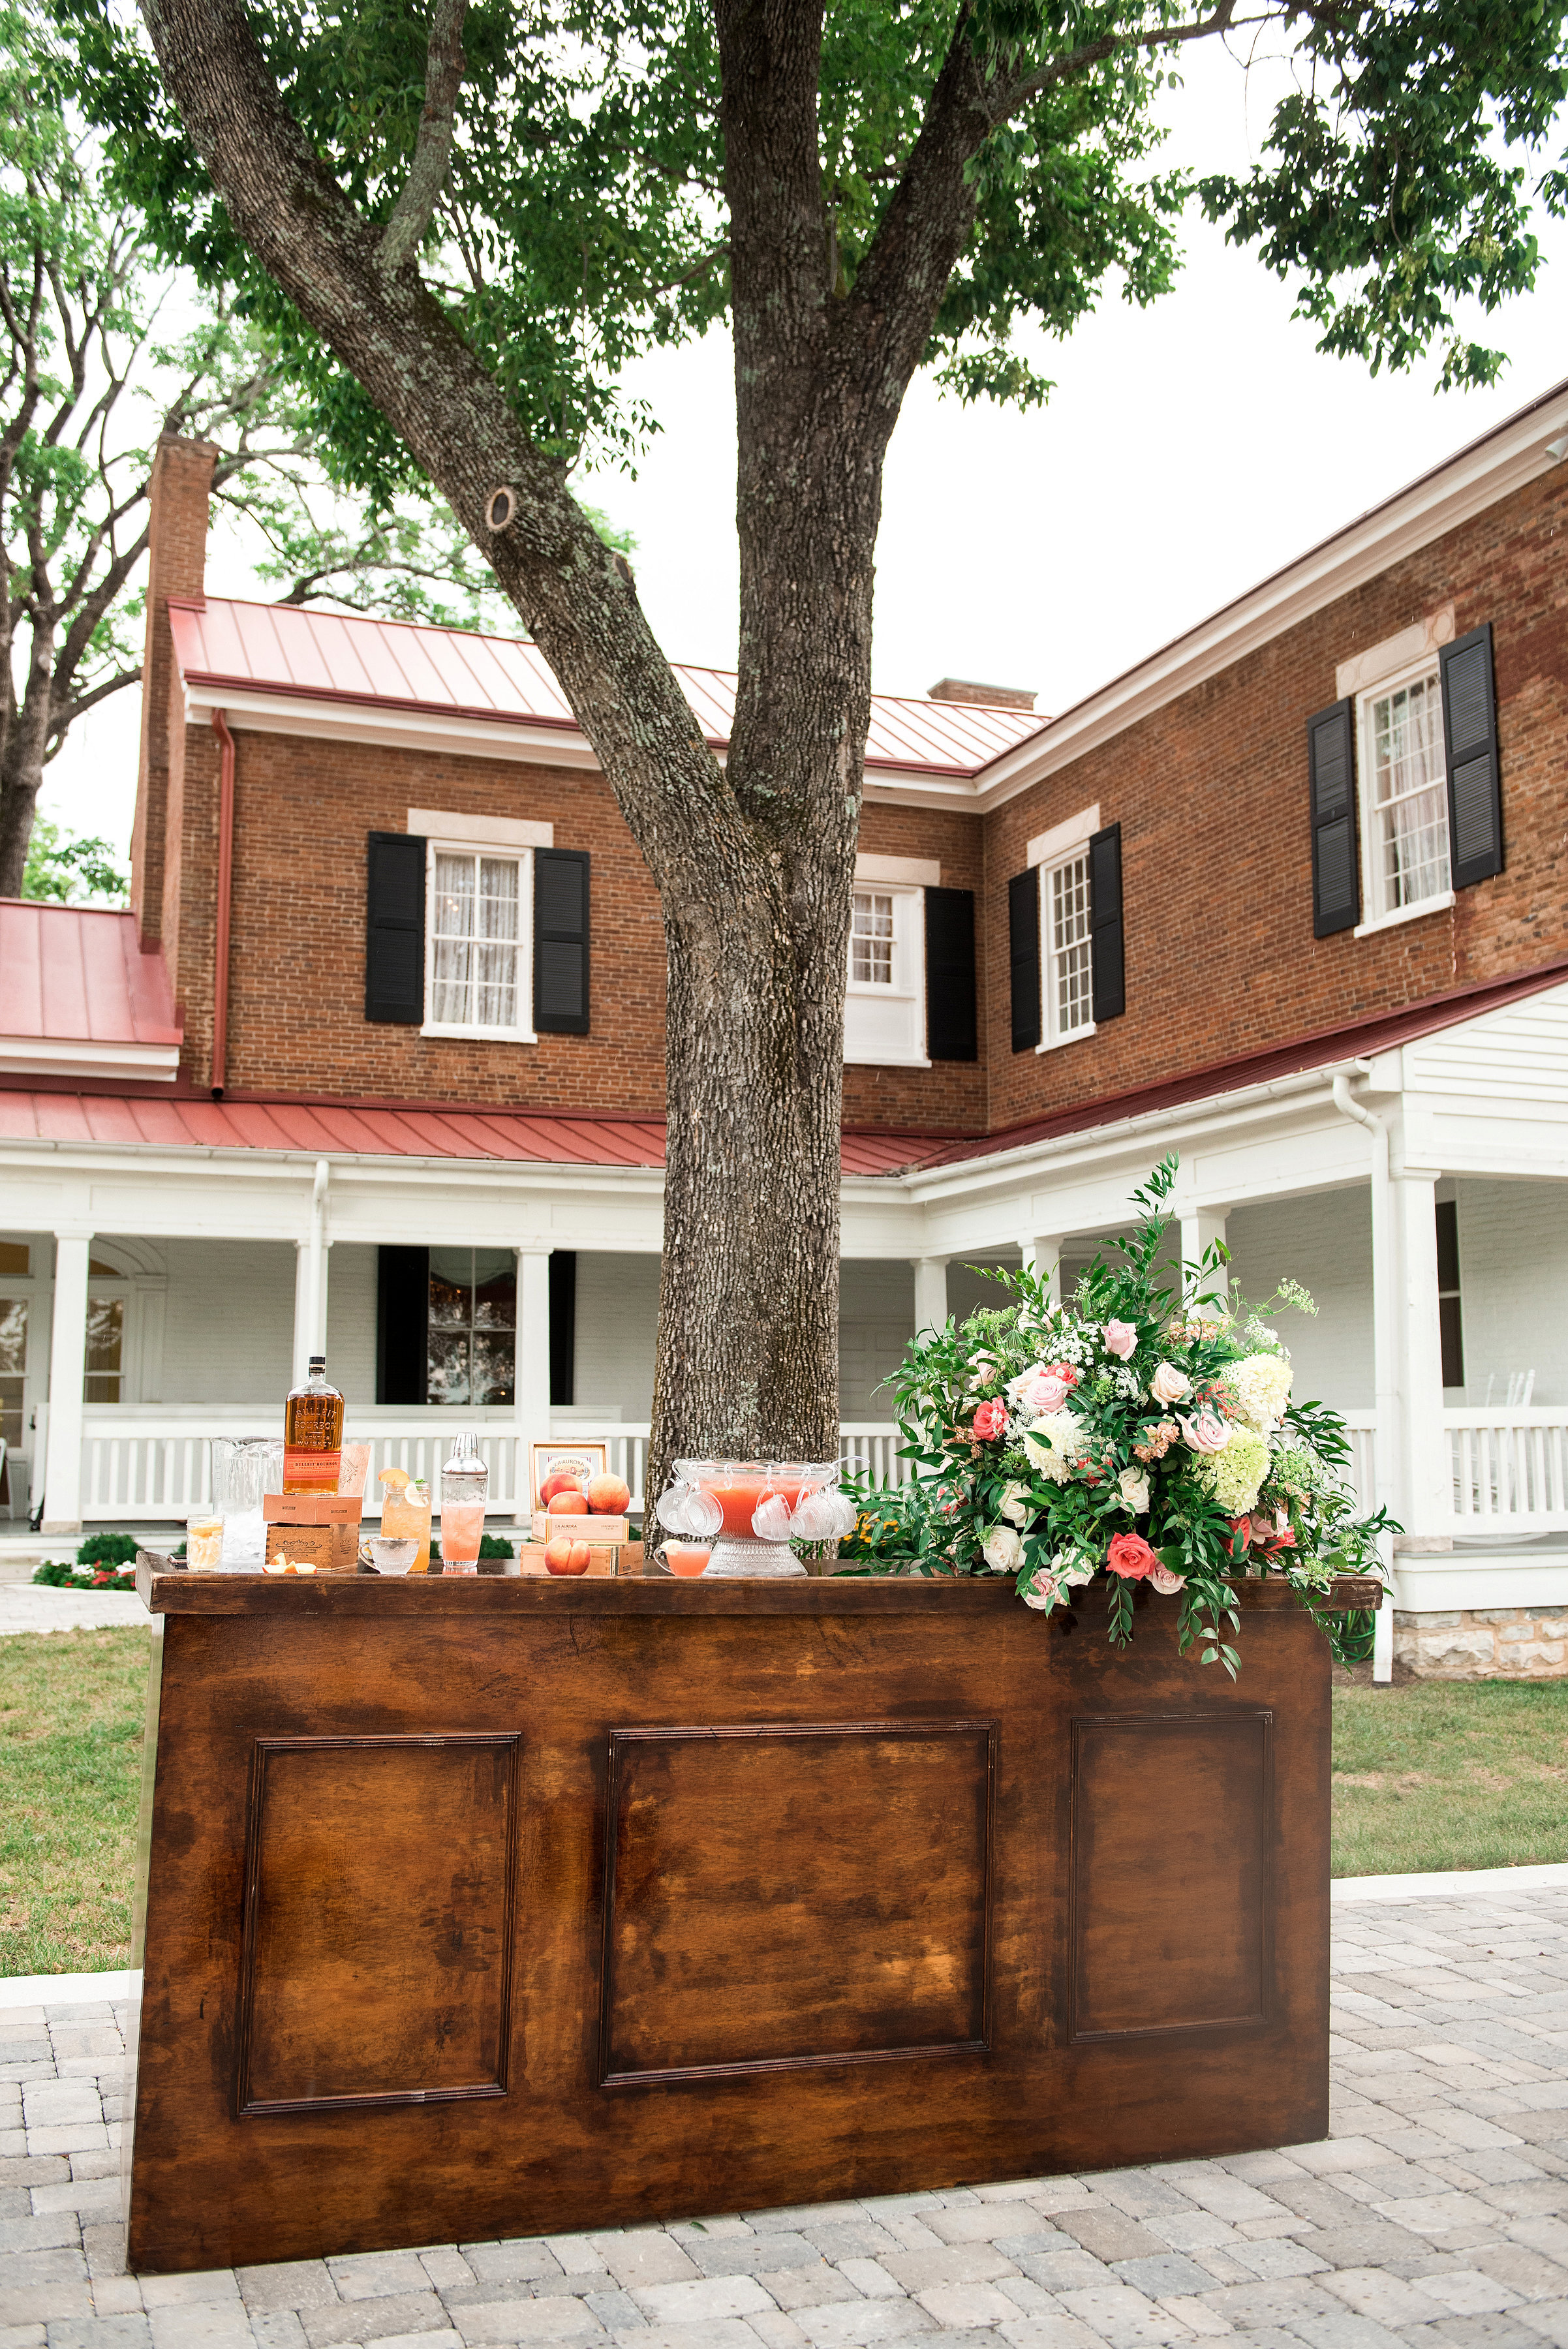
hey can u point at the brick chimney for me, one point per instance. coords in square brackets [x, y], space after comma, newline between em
[176, 563]
[996, 697]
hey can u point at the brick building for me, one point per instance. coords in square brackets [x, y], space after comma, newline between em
[377, 1055]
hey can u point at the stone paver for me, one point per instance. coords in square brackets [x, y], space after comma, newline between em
[1434, 2217]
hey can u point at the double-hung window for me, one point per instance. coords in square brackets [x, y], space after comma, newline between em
[1065, 952]
[885, 1001]
[1405, 810]
[479, 928]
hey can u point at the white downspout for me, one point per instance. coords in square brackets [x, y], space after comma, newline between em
[1383, 1353]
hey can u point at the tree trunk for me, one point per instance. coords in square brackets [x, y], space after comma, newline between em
[19, 788]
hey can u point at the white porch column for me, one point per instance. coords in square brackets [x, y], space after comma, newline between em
[304, 1337]
[1042, 1253]
[930, 1292]
[1425, 1506]
[1201, 1227]
[531, 1376]
[310, 1280]
[67, 1365]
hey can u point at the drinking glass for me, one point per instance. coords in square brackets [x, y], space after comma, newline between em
[204, 1544]
[393, 1552]
[245, 1467]
[464, 1486]
[405, 1510]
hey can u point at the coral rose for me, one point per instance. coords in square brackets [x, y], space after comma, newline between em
[1130, 1556]
[1168, 1384]
[1120, 1338]
[989, 1421]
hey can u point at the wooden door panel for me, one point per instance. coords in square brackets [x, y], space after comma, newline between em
[1171, 1824]
[794, 1894]
[378, 1951]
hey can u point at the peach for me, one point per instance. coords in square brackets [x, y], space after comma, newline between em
[562, 1480]
[609, 1496]
[564, 1556]
[569, 1505]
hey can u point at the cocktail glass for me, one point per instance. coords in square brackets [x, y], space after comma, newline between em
[204, 1544]
[461, 1529]
[405, 1510]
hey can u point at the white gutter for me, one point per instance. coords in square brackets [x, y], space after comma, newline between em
[317, 1248]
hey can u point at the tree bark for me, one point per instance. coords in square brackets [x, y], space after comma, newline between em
[753, 863]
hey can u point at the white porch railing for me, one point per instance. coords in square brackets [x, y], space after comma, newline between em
[1509, 1468]
[1362, 1429]
[156, 1467]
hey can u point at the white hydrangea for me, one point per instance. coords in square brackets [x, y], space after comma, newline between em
[1234, 1475]
[1054, 1443]
[1261, 1385]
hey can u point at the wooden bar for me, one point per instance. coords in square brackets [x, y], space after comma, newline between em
[489, 1906]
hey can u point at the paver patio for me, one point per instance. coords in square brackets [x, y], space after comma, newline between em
[1436, 2214]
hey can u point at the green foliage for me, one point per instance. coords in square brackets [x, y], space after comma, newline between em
[585, 222]
[65, 869]
[889, 1520]
[1141, 1432]
[107, 1549]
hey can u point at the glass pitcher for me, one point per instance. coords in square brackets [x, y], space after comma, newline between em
[244, 1468]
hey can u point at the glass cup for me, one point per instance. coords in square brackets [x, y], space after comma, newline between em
[686, 1557]
[395, 1553]
[245, 1467]
[464, 1486]
[405, 1510]
[204, 1544]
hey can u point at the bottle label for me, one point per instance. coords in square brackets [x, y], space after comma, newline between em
[319, 1471]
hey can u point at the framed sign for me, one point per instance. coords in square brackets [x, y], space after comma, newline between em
[579, 1460]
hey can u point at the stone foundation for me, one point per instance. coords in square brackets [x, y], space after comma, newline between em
[1485, 1643]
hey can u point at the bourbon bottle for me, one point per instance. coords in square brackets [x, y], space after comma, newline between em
[313, 1433]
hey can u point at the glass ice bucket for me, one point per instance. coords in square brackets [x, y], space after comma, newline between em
[244, 1468]
[752, 1510]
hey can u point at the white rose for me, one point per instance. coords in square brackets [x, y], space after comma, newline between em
[1014, 1502]
[1168, 1384]
[1072, 1568]
[1133, 1484]
[1003, 1549]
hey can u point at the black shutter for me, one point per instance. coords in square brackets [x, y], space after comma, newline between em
[1106, 952]
[1469, 737]
[952, 1029]
[395, 928]
[561, 941]
[1335, 867]
[1024, 957]
[563, 1325]
[402, 1321]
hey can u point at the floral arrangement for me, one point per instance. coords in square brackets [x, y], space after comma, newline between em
[1145, 1432]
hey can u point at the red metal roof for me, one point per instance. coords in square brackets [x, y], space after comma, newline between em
[241, 647]
[1358, 1041]
[328, 1129]
[71, 973]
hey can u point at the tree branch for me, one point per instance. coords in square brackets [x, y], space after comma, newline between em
[444, 67]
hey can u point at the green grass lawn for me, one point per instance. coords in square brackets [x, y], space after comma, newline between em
[1430, 1774]
[71, 1706]
[1449, 1774]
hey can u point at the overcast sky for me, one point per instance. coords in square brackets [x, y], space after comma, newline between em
[1187, 452]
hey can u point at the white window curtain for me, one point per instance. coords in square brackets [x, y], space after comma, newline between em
[474, 941]
[1409, 812]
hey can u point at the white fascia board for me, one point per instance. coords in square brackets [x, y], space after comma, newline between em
[389, 729]
[57, 1056]
[1443, 1581]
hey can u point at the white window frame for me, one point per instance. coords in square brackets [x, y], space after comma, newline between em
[908, 984]
[1052, 1038]
[511, 852]
[1377, 916]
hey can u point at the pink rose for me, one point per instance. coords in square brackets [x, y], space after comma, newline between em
[1207, 1432]
[1168, 1384]
[990, 1420]
[1040, 1390]
[1163, 1580]
[1121, 1340]
[1131, 1556]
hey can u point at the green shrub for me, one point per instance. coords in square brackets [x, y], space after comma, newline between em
[107, 1549]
